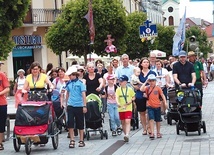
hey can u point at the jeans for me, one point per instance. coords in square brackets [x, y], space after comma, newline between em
[113, 115]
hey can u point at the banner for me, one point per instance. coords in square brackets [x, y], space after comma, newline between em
[179, 37]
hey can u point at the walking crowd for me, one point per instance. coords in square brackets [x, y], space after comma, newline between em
[124, 87]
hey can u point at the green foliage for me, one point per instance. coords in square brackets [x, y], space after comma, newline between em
[71, 32]
[135, 47]
[201, 37]
[12, 13]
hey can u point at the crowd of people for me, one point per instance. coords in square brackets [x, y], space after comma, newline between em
[123, 85]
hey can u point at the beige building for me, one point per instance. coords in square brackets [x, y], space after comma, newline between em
[30, 38]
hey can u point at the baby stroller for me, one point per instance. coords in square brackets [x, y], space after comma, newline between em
[94, 117]
[59, 111]
[189, 110]
[172, 113]
[35, 123]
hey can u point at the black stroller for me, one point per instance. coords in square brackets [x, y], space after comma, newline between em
[94, 117]
[172, 113]
[189, 110]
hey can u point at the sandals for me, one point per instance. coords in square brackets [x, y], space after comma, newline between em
[149, 130]
[152, 136]
[81, 144]
[1, 147]
[72, 144]
[144, 132]
[159, 135]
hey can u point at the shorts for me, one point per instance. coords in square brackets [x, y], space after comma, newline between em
[154, 114]
[141, 104]
[3, 118]
[75, 116]
[125, 115]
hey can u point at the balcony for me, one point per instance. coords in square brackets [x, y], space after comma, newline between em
[41, 16]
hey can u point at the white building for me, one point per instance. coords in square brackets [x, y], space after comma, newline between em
[171, 12]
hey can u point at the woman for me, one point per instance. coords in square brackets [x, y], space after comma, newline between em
[140, 100]
[94, 82]
[17, 90]
[36, 80]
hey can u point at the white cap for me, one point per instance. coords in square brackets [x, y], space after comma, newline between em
[152, 77]
[71, 70]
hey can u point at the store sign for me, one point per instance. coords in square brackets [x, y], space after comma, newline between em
[27, 41]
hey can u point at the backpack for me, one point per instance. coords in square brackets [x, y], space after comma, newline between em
[106, 89]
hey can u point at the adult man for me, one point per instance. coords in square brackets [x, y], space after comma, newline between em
[171, 60]
[125, 68]
[199, 71]
[115, 64]
[183, 72]
[152, 59]
[4, 89]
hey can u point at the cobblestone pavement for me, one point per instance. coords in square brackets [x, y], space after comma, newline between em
[170, 143]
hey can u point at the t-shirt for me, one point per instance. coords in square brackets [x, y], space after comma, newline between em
[40, 83]
[92, 85]
[4, 83]
[153, 98]
[57, 82]
[20, 82]
[111, 96]
[198, 67]
[161, 76]
[121, 93]
[75, 89]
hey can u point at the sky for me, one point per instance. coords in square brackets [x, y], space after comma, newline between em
[201, 10]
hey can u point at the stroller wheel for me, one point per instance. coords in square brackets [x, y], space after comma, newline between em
[55, 136]
[106, 134]
[87, 135]
[101, 134]
[177, 128]
[16, 143]
[28, 146]
[186, 133]
[204, 126]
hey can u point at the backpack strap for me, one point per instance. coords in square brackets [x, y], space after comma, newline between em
[106, 89]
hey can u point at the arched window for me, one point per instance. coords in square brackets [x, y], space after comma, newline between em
[171, 20]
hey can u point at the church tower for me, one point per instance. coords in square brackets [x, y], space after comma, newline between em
[171, 12]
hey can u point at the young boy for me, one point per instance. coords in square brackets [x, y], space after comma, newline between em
[125, 96]
[153, 93]
[112, 107]
[76, 105]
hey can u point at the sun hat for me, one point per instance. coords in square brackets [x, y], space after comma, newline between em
[191, 53]
[20, 70]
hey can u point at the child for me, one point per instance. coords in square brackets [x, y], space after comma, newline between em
[135, 77]
[153, 93]
[76, 105]
[125, 96]
[112, 107]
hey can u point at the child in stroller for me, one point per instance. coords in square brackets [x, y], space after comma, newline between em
[189, 110]
[94, 117]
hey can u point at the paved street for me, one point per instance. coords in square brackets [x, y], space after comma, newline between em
[171, 143]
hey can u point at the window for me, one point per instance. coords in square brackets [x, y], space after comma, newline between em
[171, 20]
[170, 9]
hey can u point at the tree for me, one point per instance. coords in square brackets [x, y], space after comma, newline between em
[12, 13]
[71, 33]
[201, 38]
[136, 48]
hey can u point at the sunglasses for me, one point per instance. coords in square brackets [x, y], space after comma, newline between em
[80, 70]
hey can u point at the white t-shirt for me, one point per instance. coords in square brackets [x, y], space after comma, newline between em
[205, 67]
[111, 97]
[20, 82]
[161, 76]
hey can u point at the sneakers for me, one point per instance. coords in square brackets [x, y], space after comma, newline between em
[126, 138]
[119, 131]
[114, 133]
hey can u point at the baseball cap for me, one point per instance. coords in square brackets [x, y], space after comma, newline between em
[191, 53]
[71, 70]
[151, 77]
[110, 77]
[124, 78]
[182, 53]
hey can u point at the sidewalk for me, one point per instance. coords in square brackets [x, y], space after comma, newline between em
[171, 143]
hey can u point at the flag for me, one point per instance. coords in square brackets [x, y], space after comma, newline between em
[179, 37]
[89, 17]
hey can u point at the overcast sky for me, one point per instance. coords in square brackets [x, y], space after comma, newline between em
[197, 9]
